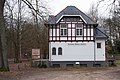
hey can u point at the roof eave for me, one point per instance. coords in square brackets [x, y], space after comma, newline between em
[101, 37]
[70, 15]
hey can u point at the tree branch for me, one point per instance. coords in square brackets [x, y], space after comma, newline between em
[33, 9]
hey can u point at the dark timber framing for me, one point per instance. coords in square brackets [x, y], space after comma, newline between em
[71, 31]
[52, 32]
[59, 32]
[75, 30]
[48, 34]
[86, 32]
[67, 30]
[56, 32]
[83, 30]
[56, 36]
[90, 32]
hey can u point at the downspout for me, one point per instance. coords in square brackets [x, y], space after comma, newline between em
[50, 51]
[48, 56]
[49, 44]
[94, 47]
[94, 53]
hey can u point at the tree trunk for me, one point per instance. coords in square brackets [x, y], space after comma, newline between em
[1, 58]
[18, 39]
[17, 55]
[4, 64]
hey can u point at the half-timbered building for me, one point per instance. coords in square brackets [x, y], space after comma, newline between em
[75, 39]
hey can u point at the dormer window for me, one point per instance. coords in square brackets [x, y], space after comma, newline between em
[63, 30]
[71, 19]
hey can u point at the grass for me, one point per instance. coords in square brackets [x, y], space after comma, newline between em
[4, 69]
[117, 61]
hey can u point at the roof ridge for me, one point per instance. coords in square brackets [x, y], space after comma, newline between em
[73, 10]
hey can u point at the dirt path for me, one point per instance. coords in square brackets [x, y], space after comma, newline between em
[27, 73]
[110, 74]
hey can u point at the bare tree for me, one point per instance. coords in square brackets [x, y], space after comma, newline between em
[93, 12]
[112, 2]
[17, 30]
[4, 61]
[14, 27]
[39, 11]
[114, 19]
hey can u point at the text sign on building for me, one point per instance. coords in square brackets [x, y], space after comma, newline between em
[35, 53]
[76, 44]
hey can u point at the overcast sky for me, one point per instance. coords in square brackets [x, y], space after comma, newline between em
[58, 5]
[84, 5]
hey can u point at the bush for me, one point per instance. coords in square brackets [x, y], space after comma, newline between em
[4, 69]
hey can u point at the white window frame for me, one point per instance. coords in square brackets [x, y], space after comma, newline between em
[53, 51]
[60, 51]
[63, 30]
[79, 30]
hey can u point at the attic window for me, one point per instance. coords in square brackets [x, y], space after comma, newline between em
[71, 19]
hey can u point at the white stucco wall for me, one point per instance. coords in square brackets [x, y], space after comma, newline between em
[77, 51]
[100, 52]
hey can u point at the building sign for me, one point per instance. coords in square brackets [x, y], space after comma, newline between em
[77, 44]
[35, 53]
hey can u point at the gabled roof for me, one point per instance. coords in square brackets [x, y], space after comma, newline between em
[71, 10]
[100, 33]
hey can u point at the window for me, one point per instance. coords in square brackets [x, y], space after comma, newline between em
[53, 51]
[59, 51]
[63, 30]
[98, 45]
[76, 19]
[71, 19]
[63, 25]
[79, 32]
[68, 19]
[78, 25]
